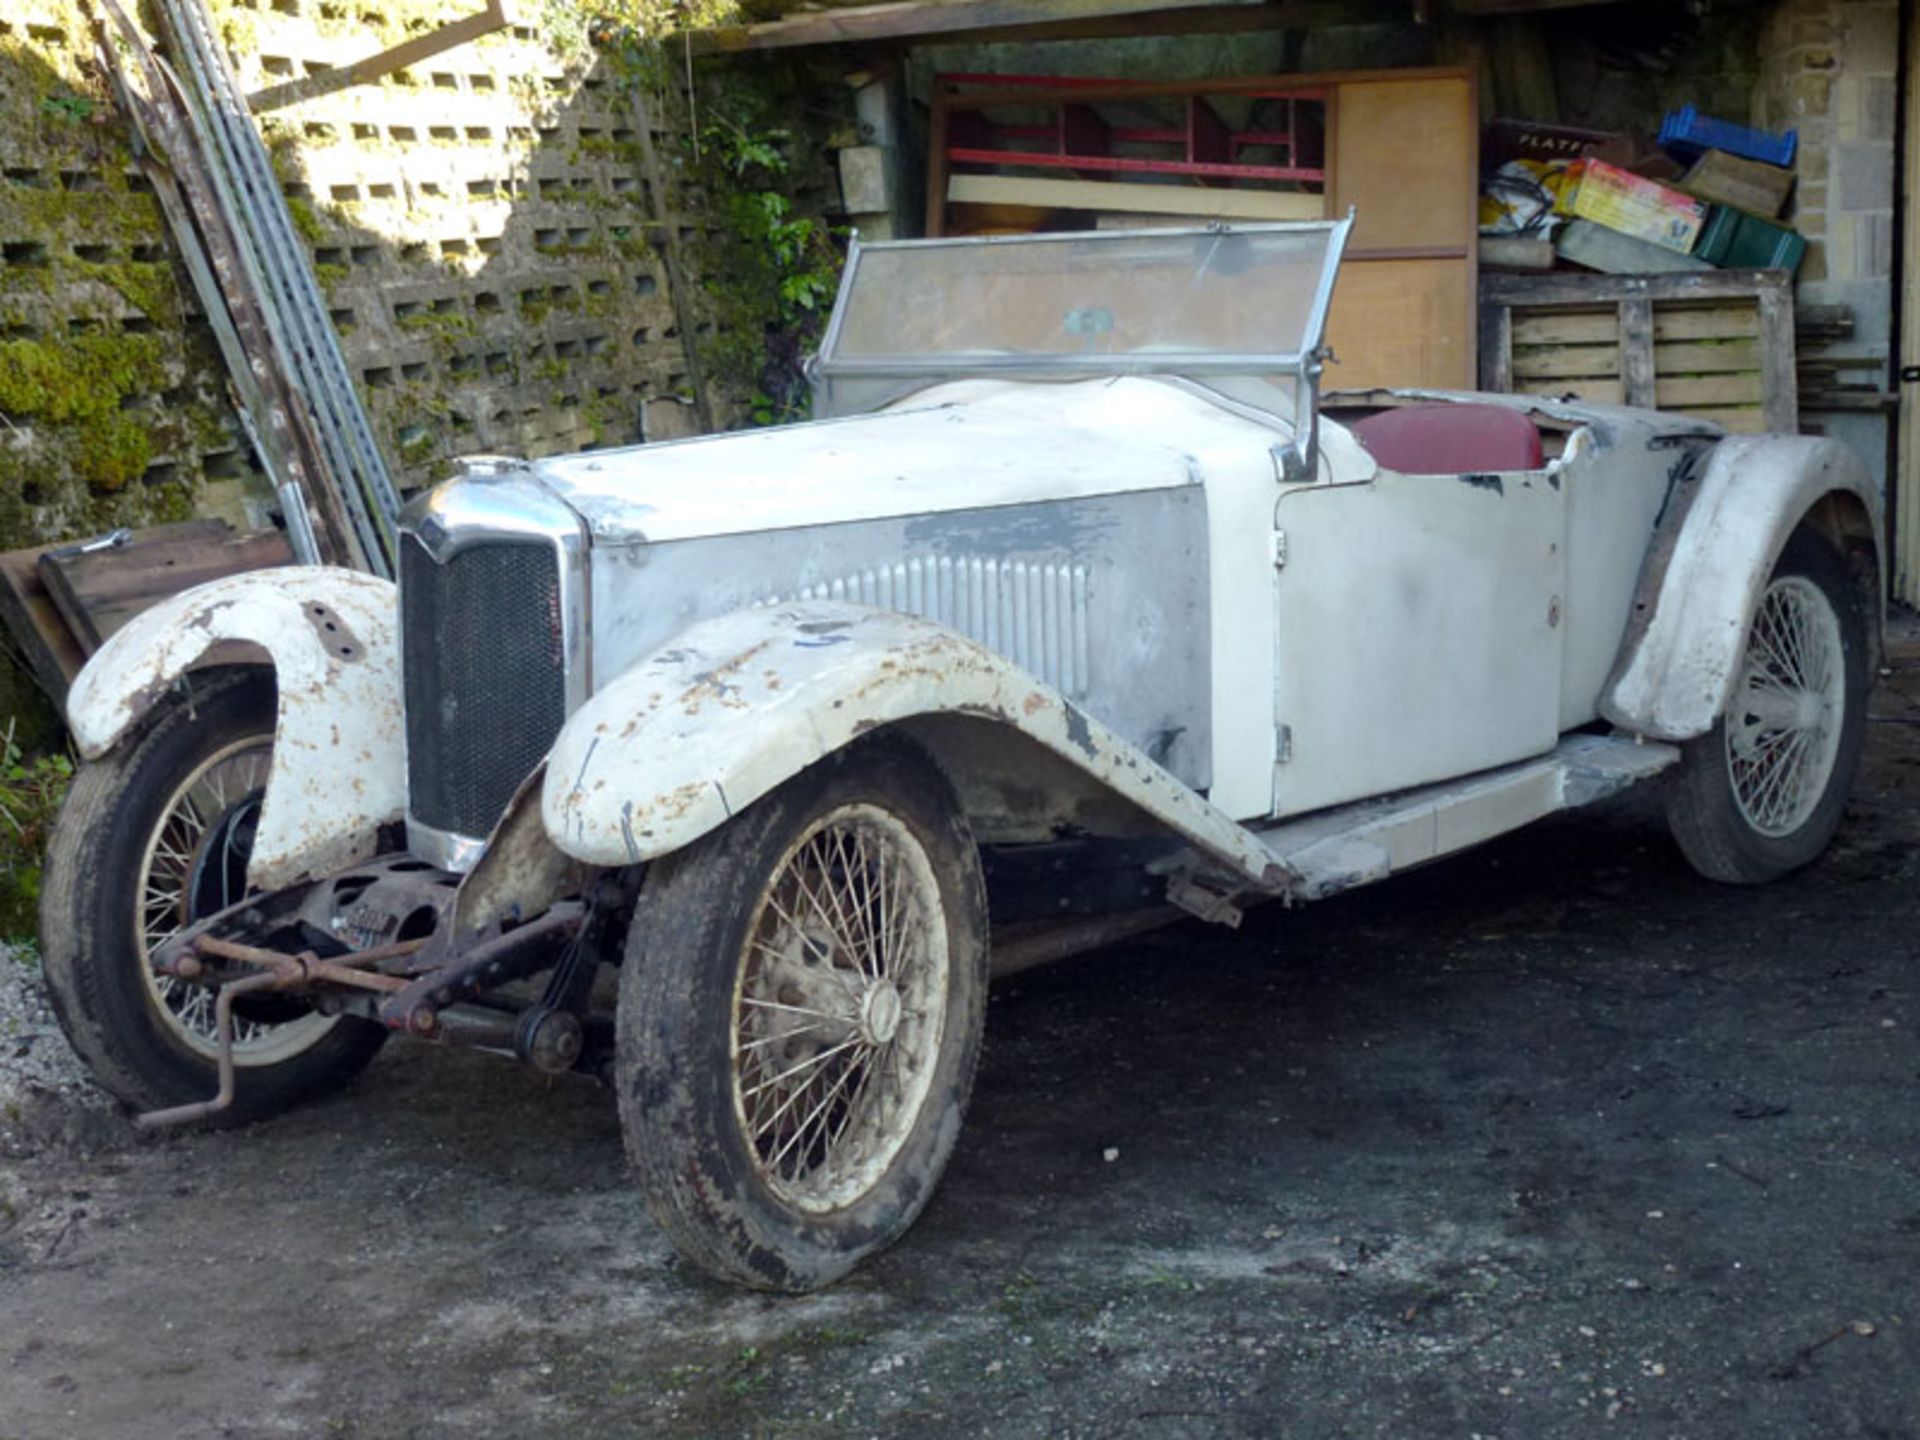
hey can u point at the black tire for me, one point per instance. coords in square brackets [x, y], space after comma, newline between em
[688, 996]
[91, 918]
[1719, 837]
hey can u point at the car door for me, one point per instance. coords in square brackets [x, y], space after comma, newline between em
[1419, 630]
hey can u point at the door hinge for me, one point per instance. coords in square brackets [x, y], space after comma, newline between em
[1279, 549]
[1282, 744]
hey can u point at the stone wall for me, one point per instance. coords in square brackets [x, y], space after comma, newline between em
[1830, 68]
[482, 226]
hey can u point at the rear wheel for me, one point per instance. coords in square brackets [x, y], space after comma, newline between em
[155, 836]
[1762, 792]
[800, 1014]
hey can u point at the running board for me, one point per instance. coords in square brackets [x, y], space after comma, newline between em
[1335, 850]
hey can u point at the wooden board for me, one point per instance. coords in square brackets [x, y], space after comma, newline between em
[99, 591]
[1717, 345]
[58, 609]
[1405, 156]
[1402, 323]
[34, 625]
[1118, 197]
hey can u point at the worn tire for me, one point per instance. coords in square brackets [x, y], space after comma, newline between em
[91, 940]
[687, 998]
[1719, 836]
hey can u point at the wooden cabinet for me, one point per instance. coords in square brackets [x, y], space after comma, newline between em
[1398, 147]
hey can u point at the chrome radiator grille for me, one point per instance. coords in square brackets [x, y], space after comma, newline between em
[484, 659]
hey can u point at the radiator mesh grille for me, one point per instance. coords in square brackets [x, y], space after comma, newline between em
[484, 660]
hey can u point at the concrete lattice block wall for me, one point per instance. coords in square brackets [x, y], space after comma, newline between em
[112, 407]
[481, 225]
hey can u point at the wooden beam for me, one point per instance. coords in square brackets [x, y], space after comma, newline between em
[986, 20]
[407, 52]
[1519, 7]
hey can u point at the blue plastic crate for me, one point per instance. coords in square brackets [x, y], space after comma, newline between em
[1688, 133]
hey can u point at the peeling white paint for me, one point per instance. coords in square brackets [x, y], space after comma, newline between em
[1673, 682]
[737, 705]
[339, 758]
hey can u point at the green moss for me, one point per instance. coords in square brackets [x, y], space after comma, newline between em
[305, 221]
[83, 379]
[112, 450]
[148, 286]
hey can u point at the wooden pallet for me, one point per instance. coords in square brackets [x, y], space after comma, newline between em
[1717, 345]
[58, 605]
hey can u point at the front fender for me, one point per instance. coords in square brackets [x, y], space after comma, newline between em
[339, 761]
[700, 730]
[1706, 572]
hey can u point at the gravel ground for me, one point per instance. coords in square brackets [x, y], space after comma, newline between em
[1550, 1140]
[38, 1069]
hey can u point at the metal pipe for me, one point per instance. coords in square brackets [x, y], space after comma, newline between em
[296, 311]
[223, 1034]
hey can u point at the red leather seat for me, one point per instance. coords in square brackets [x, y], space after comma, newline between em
[1452, 440]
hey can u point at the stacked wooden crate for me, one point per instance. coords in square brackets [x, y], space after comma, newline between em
[1715, 345]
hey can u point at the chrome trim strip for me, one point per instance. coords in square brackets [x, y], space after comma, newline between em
[442, 849]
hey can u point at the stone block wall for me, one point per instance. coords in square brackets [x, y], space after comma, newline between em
[481, 224]
[1830, 68]
[112, 407]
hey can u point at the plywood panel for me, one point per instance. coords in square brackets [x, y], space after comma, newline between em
[1118, 196]
[1405, 153]
[1402, 322]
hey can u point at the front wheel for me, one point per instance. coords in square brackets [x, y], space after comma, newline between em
[1762, 792]
[154, 836]
[799, 1017]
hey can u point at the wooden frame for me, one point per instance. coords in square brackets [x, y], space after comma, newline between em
[1671, 342]
[1415, 251]
[989, 20]
[1904, 481]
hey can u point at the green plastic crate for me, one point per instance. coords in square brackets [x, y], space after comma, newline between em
[1735, 240]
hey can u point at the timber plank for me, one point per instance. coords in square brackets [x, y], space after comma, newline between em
[1563, 362]
[34, 623]
[1705, 357]
[1599, 391]
[100, 591]
[1566, 327]
[1694, 390]
[1741, 419]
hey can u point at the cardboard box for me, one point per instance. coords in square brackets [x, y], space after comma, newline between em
[1598, 248]
[1633, 205]
[1749, 185]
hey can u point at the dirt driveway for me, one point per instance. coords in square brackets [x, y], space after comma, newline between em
[1550, 1140]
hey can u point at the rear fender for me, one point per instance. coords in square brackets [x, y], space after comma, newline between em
[737, 705]
[1710, 561]
[339, 761]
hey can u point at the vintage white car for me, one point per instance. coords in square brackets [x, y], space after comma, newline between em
[1078, 609]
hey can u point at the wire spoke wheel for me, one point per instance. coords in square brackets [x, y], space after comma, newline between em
[1763, 791]
[156, 835]
[194, 864]
[799, 1018]
[839, 1008]
[1783, 722]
